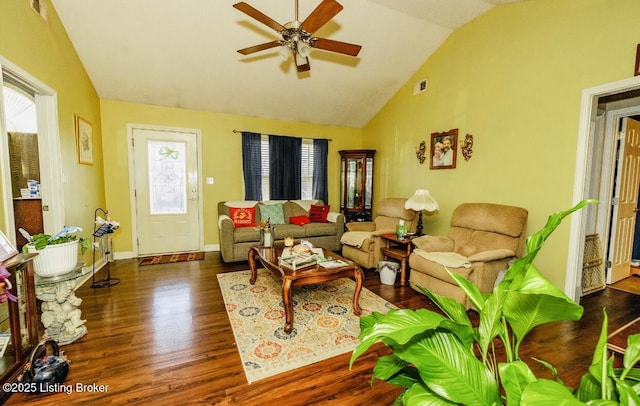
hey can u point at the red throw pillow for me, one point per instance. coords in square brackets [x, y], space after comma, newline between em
[299, 220]
[318, 214]
[243, 216]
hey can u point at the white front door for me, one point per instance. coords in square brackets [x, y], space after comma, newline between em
[626, 193]
[167, 192]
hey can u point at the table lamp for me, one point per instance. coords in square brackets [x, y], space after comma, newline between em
[421, 200]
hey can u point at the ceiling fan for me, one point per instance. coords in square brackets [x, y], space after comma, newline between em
[297, 37]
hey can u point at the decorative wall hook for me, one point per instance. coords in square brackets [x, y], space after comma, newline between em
[467, 146]
[420, 152]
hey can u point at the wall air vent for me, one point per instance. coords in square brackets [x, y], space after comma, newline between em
[420, 86]
[39, 7]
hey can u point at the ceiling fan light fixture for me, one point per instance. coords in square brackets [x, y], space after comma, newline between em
[304, 49]
[297, 37]
[284, 52]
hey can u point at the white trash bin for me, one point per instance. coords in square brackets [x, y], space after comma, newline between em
[388, 271]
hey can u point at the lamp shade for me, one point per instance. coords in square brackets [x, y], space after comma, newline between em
[421, 200]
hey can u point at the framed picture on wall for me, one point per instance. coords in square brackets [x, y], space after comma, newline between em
[444, 149]
[636, 72]
[84, 141]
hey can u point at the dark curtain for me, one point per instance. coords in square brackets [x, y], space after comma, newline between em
[320, 182]
[251, 163]
[285, 168]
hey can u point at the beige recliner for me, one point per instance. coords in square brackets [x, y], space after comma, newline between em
[482, 240]
[361, 242]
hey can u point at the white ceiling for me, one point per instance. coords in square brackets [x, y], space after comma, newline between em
[183, 54]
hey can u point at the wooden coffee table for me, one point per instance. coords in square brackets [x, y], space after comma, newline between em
[306, 276]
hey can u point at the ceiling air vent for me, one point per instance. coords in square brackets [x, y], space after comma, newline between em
[39, 7]
[420, 86]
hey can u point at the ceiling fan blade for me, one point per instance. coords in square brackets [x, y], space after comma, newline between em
[259, 47]
[305, 67]
[321, 15]
[302, 62]
[258, 15]
[336, 46]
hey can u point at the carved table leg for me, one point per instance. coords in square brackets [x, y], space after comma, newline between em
[288, 305]
[356, 295]
[252, 266]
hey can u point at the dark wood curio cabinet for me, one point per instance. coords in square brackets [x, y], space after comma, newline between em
[19, 328]
[356, 184]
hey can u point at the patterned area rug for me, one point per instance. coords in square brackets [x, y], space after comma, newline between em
[323, 323]
[171, 258]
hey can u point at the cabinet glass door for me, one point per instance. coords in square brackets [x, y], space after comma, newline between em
[22, 310]
[369, 187]
[354, 183]
[7, 355]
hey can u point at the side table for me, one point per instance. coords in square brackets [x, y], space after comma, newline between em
[398, 249]
[61, 316]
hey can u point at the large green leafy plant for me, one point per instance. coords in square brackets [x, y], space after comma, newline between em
[443, 359]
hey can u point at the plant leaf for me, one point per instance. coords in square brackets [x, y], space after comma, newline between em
[406, 378]
[544, 392]
[626, 394]
[632, 352]
[589, 388]
[451, 307]
[419, 395]
[387, 366]
[550, 367]
[515, 376]
[535, 241]
[451, 369]
[536, 301]
[598, 367]
[490, 322]
[473, 292]
[398, 325]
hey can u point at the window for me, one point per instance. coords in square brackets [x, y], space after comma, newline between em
[307, 167]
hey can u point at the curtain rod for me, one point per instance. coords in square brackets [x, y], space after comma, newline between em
[241, 131]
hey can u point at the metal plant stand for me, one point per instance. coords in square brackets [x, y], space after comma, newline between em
[103, 235]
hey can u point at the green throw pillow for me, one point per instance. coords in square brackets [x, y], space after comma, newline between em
[274, 212]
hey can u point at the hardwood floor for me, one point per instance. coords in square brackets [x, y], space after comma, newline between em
[162, 336]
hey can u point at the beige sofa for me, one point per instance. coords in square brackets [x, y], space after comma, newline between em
[362, 241]
[482, 240]
[236, 241]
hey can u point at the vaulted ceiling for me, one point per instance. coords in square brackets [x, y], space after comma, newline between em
[183, 54]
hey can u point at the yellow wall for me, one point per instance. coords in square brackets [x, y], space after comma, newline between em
[513, 79]
[43, 49]
[221, 151]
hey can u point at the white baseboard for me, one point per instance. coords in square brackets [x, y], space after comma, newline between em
[129, 254]
[88, 271]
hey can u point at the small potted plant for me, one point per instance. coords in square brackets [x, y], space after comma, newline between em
[58, 254]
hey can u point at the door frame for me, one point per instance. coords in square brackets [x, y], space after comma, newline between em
[132, 183]
[50, 156]
[583, 174]
[614, 120]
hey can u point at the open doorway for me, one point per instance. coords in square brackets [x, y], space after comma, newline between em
[22, 137]
[602, 110]
[49, 155]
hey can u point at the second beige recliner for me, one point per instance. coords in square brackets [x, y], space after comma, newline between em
[361, 242]
[482, 240]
